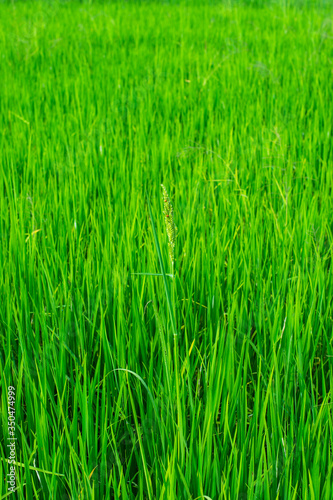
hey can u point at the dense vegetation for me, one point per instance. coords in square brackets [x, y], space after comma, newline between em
[230, 107]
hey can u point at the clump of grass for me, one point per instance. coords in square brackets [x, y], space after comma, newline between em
[237, 402]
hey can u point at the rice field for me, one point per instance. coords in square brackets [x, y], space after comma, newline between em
[166, 343]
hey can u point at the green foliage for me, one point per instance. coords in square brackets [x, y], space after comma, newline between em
[230, 107]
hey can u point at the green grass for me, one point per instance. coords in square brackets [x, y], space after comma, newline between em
[230, 107]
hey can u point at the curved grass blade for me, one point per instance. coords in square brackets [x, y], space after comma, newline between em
[151, 398]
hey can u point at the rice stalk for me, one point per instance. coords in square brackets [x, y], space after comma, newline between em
[170, 226]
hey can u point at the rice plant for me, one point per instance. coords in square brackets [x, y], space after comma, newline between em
[166, 242]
